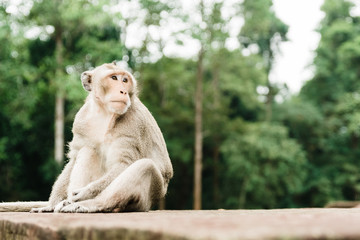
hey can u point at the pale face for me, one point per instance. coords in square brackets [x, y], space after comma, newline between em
[111, 86]
[117, 97]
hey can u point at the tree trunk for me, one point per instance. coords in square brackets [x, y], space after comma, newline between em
[242, 197]
[59, 128]
[216, 136]
[268, 103]
[162, 203]
[198, 132]
[60, 100]
[270, 96]
[216, 190]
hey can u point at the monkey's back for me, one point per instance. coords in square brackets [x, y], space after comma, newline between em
[156, 150]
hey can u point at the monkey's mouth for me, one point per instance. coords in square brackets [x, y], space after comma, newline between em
[118, 101]
[118, 104]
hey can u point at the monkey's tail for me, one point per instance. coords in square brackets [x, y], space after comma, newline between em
[21, 206]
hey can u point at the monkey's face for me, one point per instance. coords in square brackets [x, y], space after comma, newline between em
[111, 86]
[117, 88]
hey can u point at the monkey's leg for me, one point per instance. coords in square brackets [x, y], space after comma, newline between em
[133, 190]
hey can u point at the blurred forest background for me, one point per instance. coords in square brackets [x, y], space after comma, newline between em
[249, 142]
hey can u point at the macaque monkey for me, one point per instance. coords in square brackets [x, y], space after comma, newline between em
[118, 159]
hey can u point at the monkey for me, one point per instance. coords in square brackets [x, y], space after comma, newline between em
[118, 160]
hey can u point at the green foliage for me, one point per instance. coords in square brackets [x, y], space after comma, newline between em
[334, 10]
[334, 90]
[304, 121]
[267, 164]
[336, 56]
[306, 155]
[262, 28]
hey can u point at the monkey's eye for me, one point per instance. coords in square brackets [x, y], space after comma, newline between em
[125, 80]
[114, 78]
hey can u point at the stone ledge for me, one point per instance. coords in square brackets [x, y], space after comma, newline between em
[217, 224]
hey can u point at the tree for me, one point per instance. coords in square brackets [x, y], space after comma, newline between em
[264, 171]
[337, 31]
[207, 31]
[332, 151]
[21, 104]
[263, 31]
[306, 154]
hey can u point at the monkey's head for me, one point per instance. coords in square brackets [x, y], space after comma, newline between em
[111, 87]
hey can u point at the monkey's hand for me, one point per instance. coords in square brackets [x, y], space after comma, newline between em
[75, 208]
[42, 209]
[83, 194]
[61, 205]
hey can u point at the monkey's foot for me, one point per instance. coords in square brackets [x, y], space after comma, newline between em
[61, 205]
[75, 208]
[42, 209]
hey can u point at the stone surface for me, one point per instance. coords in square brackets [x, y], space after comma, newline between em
[218, 224]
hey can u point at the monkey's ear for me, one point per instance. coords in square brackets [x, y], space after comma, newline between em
[114, 62]
[86, 80]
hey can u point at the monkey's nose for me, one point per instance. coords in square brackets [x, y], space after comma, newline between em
[123, 92]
